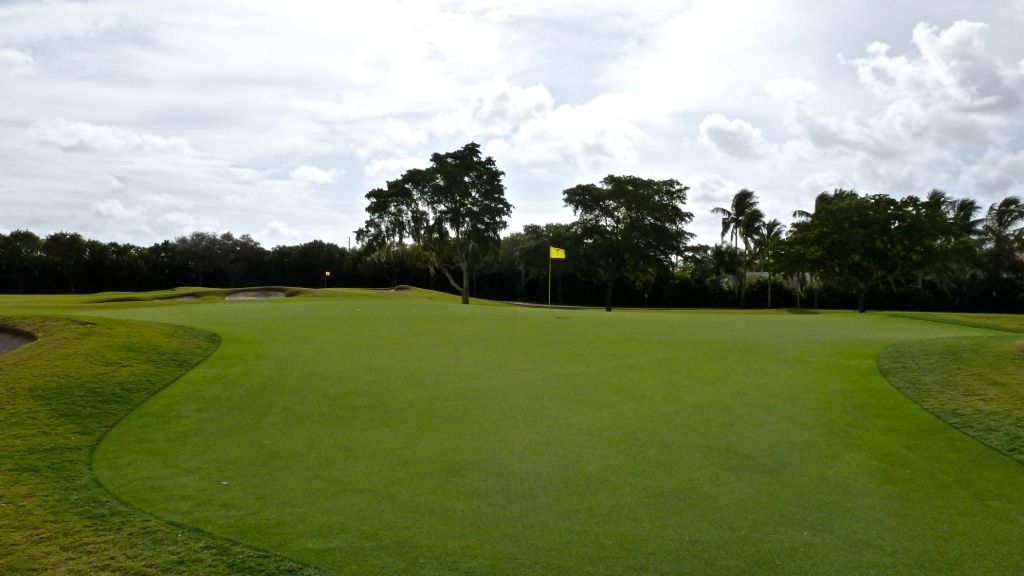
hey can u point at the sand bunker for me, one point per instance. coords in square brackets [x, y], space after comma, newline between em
[255, 295]
[10, 341]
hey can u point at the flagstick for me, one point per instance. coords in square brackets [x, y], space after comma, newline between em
[549, 277]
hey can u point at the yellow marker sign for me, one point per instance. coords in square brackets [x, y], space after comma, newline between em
[557, 252]
[328, 273]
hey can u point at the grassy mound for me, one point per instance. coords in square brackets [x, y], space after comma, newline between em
[59, 395]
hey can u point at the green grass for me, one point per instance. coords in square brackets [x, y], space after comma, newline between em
[368, 434]
[974, 384]
[58, 396]
[399, 433]
[1001, 322]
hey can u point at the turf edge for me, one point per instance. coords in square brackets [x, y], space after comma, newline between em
[61, 394]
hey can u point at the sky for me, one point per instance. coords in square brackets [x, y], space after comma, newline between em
[142, 121]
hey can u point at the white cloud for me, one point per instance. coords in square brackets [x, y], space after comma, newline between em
[590, 136]
[165, 203]
[391, 168]
[62, 21]
[314, 175]
[113, 208]
[14, 61]
[735, 137]
[177, 223]
[998, 173]
[85, 137]
[825, 181]
[390, 136]
[711, 189]
[281, 233]
[953, 71]
[791, 89]
[497, 109]
[225, 115]
[108, 182]
[926, 118]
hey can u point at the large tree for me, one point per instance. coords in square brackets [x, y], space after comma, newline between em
[66, 252]
[199, 253]
[21, 255]
[855, 242]
[453, 210]
[629, 226]
[388, 225]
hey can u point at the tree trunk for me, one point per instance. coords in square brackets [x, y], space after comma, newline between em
[743, 284]
[861, 294]
[608, 295]
[769, 290]
[464, 288]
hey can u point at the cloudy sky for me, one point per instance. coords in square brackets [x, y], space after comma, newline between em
[141, 121]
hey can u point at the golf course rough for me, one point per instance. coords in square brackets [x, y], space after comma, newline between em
[58, 396]
[399, 433]
[972, 383]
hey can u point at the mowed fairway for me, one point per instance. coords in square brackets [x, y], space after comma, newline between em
[378, 433]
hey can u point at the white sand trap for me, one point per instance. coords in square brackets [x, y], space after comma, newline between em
[255, 295]
[10, 341]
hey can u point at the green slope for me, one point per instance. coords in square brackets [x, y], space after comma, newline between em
[382, 434]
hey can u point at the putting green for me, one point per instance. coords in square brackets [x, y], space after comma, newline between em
[387, 434]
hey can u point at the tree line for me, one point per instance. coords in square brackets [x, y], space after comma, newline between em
[441, 227]
[629, 239]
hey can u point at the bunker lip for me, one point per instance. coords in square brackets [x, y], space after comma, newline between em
[11, 339]
[255, 295]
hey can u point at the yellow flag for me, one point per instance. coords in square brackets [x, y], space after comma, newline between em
[557, 252]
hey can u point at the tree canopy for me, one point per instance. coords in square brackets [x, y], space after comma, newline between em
[628, 245]
[454, 211]
[629, 226]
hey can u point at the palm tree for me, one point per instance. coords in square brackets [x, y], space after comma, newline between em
[768, 236]
[741, 221]
[961, 212]
[956, 244]
[1003, 235]
[1004, 223]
